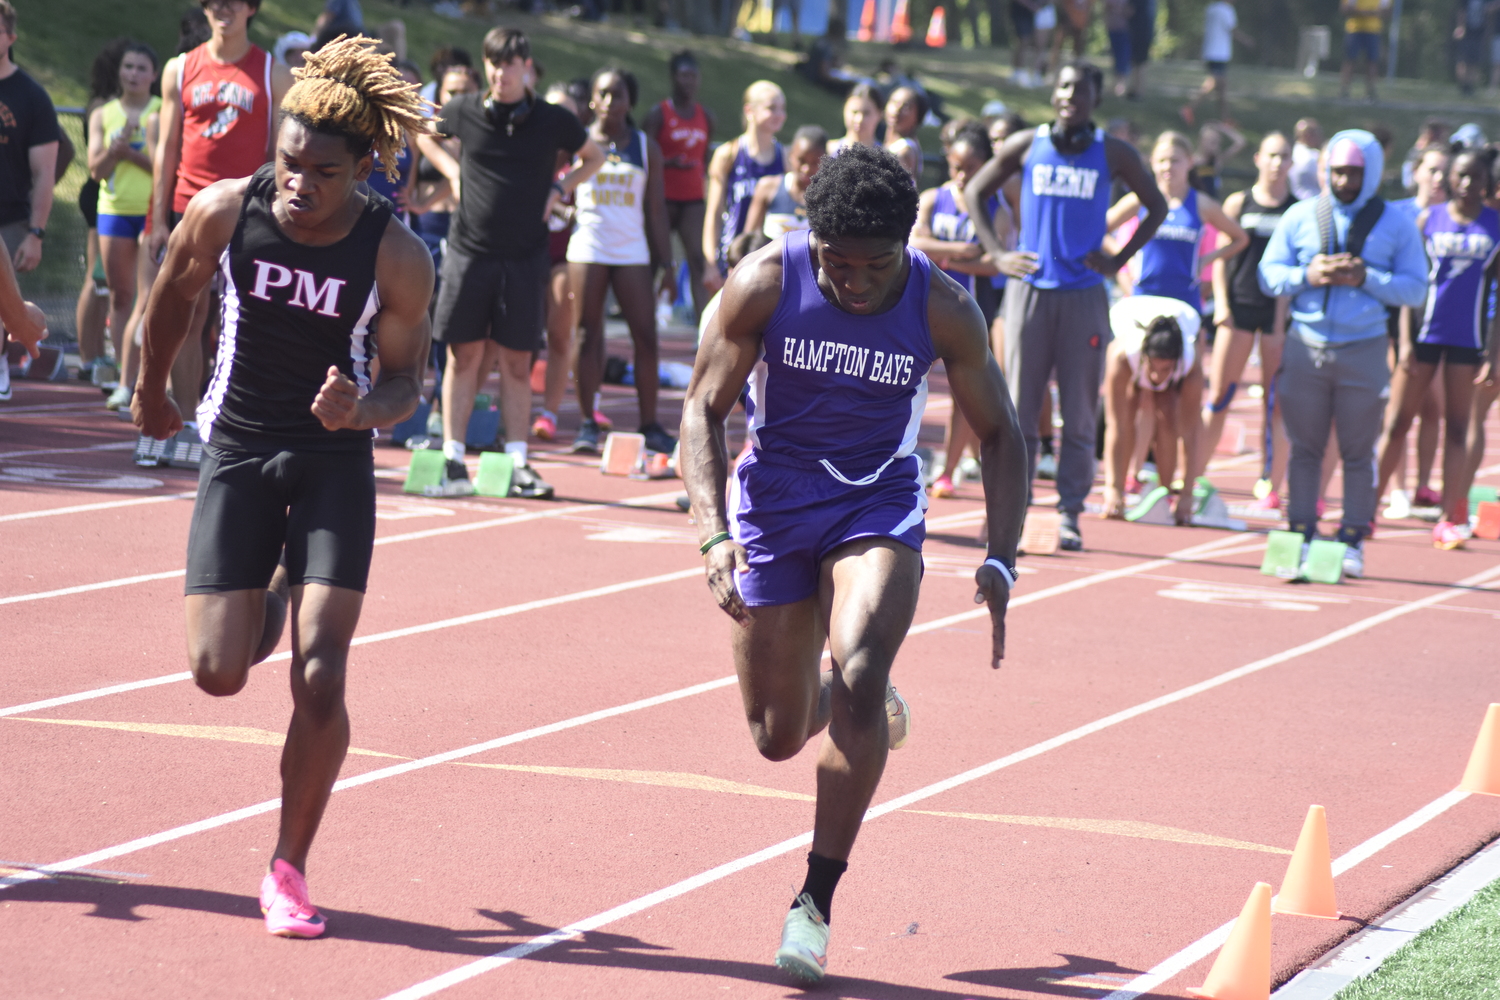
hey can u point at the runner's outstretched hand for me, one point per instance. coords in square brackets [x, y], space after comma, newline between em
[723, 562]
[156, 414]
[994, 590]
[336, 401]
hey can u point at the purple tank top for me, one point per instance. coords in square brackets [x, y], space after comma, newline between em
[743, 175]
[1460, 255]
[837, 391]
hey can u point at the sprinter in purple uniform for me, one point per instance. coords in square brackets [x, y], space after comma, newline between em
[816, 535]
[1462, 236]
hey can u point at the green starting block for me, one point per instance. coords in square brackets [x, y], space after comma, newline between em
[1479, 495]
[1283, 555]
[495, 471]
[1154, 507]
[1325, 561]
[426, 470]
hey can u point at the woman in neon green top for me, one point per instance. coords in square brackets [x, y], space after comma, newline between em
[120, 161]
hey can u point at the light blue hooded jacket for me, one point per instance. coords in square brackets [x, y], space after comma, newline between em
[1395, 262]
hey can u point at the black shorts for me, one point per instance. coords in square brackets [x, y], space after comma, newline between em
[1023, 18]
[1431, 354]
[497, 297]
[1216, 68]
[320, 504]
[1252, 318]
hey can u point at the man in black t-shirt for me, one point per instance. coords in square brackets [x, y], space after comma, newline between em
[28, 153]
[492, 304]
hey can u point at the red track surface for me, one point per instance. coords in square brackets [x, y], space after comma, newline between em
[427, 871]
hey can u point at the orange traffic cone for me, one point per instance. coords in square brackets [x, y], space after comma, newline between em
[900, 24]
[867, 22]
[1307, 890]
[937, 29]
[1243, 969]
[1483, 773]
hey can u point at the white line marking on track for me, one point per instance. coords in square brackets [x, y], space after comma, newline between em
[108, 446]
[85, 588]
[87, 507]
[472, 969]
[1214, 939]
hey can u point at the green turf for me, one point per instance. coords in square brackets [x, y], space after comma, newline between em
[1459, 956]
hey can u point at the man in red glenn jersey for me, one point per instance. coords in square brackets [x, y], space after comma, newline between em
[218, 113]
[683, 128]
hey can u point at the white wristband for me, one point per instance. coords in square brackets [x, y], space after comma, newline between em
[1011, 576]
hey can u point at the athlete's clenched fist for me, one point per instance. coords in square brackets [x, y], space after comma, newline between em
[337, 401]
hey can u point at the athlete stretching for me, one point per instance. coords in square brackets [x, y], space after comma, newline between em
[821, 536]
[310, 264]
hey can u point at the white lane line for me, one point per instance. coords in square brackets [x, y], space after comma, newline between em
[262, 807]
[11, 411]
[86, 507]
[409, 536]
[1214, 939]
[472, 969]
[109, 446]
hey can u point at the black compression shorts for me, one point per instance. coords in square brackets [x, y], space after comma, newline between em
[1253, 319]
[1454, 354]
[321, 505]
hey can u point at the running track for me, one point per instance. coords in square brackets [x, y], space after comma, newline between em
[553, 792]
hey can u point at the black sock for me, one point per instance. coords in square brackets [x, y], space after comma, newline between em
[822, 878]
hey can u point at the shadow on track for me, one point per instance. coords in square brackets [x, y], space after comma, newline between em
[1080, 976]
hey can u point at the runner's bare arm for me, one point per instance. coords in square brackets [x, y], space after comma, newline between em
[191, 262]
[981, 395]
[1233, 206]
[765, 190]
[1125, 162]
[17, 322]
[713, 211]
[658, 229]
[167, 156]
[1228, 226]
[731, 344]
[403, 280]
[1005, 164]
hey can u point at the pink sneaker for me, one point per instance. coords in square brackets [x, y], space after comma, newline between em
[1427, 497]
[544, 428]
[1271, 501]
[605, 424]
[283, 899]
[941, 487]
[1447, 535]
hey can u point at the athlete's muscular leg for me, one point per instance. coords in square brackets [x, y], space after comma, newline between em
[1231, 351]
[230, 632]
[323, 621]
[633, 291]
[687, 222]
[778, 657]
[590, 283]
[869, 590]
[562, 316]
[515, 392]
[1458, 400]
[1409, 384]
[1270, 365]
[468, 365]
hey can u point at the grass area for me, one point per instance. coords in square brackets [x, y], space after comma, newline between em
[1459, 956]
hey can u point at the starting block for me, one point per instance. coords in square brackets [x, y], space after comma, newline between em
[624, 454]
[182, 451]
[1283, 558]
[1209, 510]
[1325, 561]
[495, 471]
[1038, 534]
[1488, 526]
[1479, 495]
[426, 470]
[1154, 507]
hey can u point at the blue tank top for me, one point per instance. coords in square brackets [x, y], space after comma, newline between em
[1169, 260]
[837, 391]
[950, 222]
[741, 190]
[1064, 202]
[1460, 255]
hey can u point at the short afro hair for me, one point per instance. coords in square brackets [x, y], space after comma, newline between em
[864, 192]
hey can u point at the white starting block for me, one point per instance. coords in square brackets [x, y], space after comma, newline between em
[1209, 509]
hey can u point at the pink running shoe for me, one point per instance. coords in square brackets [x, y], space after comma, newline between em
[1426, 496]
[544, 428]
[1271, 501]
[283, 899]
[1447, 535]
[605, 424]
[941, 487]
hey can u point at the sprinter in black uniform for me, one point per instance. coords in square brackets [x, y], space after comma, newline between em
[1242, 312]
[312, 263]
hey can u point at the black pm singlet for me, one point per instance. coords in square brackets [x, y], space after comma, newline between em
[290, 312]
[1253, 309]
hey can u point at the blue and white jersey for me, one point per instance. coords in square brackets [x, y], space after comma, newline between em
[837, 391]
[744, 174]
[1169, 260]
[1461, 253]
[1064, 203]
[951, 222]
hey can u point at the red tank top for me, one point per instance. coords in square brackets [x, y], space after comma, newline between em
[687, 138]
[226, 120]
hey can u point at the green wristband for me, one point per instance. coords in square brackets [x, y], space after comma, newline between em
[713, 540]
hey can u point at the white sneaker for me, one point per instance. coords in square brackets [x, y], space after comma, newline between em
[1354, 561]
[804, 941]
[5, 392]
[897, 717]
[1399, 507]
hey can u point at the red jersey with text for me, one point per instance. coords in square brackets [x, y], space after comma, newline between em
[290, 311]
[226, 120]
[685, 140]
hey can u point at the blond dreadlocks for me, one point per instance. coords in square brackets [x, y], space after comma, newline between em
[347, 88]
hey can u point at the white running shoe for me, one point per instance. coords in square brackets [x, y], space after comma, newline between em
[1399, 507]
[804, 941]
[5, 392]
[1354, 561]
[897, 717]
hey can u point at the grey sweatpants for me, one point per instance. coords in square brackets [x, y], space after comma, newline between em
[1346, 385]
[1066, 332]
